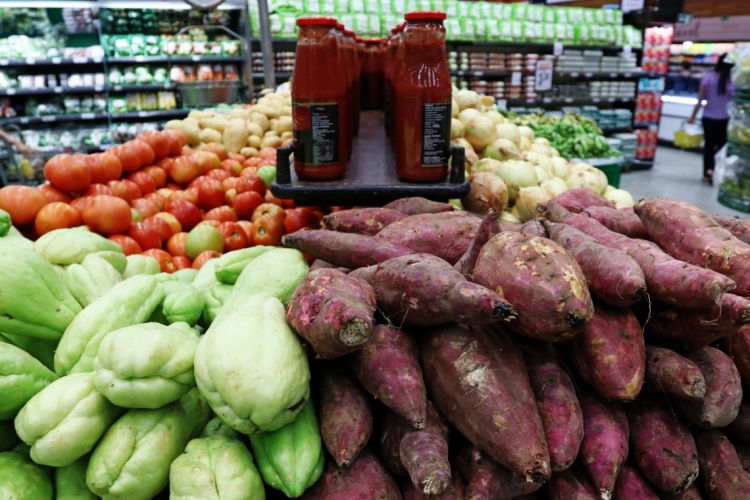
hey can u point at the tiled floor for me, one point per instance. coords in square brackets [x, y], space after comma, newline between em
[676, 174]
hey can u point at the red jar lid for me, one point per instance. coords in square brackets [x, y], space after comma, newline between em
[316, 21]
[348, 32]
[340, 26]
[421, 15]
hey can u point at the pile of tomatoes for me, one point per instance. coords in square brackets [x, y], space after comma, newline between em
[155, 196]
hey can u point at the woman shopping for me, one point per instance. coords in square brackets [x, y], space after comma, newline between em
[716, 91]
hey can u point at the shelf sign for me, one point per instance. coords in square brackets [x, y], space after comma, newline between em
[80, 60]
[627, 51]
[87, 116]
[49, 119]
[30, 61]
[502, 104]
[515, 78]
[557, 48]
[11, 92]
[684, 18]
[543, 77]
[142, 114]
[631, 5]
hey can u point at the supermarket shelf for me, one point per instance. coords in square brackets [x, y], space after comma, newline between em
[279, 74]
[569, 100]
[36, 120]
[601, 76]
[141, 88]
[50, 91]
[513, 46]
[164, 115]
[489, 73]
[176, 59]
[643, 126]
[619, 130]
[57, 61]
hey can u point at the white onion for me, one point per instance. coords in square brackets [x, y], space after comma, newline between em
[537, 147]
[540, 160]
[495, 117]
[584, 179]
[502, 149]
[620, 197]
[470, 159]
[526, 132]
[524, 145]
[509, 131]
[467, 114]
[486, 165]
[608, 190]
[457, 128]
[455, 109]
[541, 174]
[509, 217]
[463, 143]
[467, 99]
[480, 132]
[555, 185]
[561, 167]
[527, 200]
[516, 174]
[487, 191]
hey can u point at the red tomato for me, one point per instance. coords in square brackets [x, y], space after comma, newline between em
[253, 162]
[158, 141]
[267, 154]
[210, 222]
[248, 171]
[182, 262]
[107, 214]
[184, 169]
[186, 212]
[145, 207]
[135, 216]
[164, 163]
[237, 157]
[270, 198]
[235, 237]
[173, 186]
[68, 172]
[188, 151]
[218, 174]
[146, 236]
[205, 257]
[340, 209]
[57, 215]
[96, 168]
[212, 159]
[158, 174]
[52, 194]
[183, 196]
[128, 159]
[299, 218]
[162, 227]
[210, 194]
[197, 181]
[177, 141]
[217, 149]
[246, 203]
[247, 226]
[268, 209]
[165, 192]
[79, 203]
[232, 167]
[125, 189]
[267, 230]
[158, 200]
[230, 182]
[143, 151]
[176, 244]
[165, 261]
[229, 196]
[144, 181]
[23, 203]
[96, 189]
[171, 220]
[128, 244]
[109, 170]
[221, 214]
[251, 183]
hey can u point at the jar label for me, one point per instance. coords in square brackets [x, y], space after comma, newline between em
[316, 133]
[436, 127]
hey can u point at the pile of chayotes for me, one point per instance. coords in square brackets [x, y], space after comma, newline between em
[591, 353]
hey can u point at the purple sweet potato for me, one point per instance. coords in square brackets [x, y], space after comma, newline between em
[661, 445]
[417, 205]
[739, 429]
[321, 264]
[365, 479]
[489, 227]
[743, 453]
[697, 328]
[673, 374]
[631, 485]
[737, 347]
[477, 379]
[488, 480]
[610, 353]
[332, 311]
[388, 367]
[709, 245]
[623, 220]
[345, 417]
[740, 229]
[362, 220]
[571, 484]
[605, 441]
[613, 276]
[578, 199]
[541, 280]
[348, 250]
[721, 468]
[667, 279]
[446, 235]
[534, 227]
[424, 290]
[692, 493]
[456, 491]
[721, 404]
[557, 403]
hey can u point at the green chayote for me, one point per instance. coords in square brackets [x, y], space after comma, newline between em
[42, 349]
[21, 479]
[291, 459]
[8, 436]
[230, 265]
[206, 276]
[186, 275]
[270, 376]
[70, 481]
[132, 460]
[147, 365]
[128, 303]
[64, 420]
[141, 264]
[5, 223]
[216, 427]
[34, 301]
[91, 279]
[21, 378]
[14, 237]
[182, 302]
[118, 260]
[71, 246]
[215, 296]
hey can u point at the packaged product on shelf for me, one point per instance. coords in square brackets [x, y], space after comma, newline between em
[205, 73]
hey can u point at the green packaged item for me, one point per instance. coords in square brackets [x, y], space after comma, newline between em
[534, 13]
[64, 421]
[70, 481]
[91, 279]
[516, 30]
[291, 459]
[312, 7]
[20, 478]
[520, 11]
[479, 30]
[492, 28]
[133, 458]
[129, 303]
[21, 378]
[41, 349]
[583, 34]
[589, 16]
[146, 366]
[71, 246]
[373, 29]
[548, 14]
[141, 264]
[271, 376]
[356, 7]
[575, 15]
[8, 437]
[451, 9]
[561, 15]
[360, 23]
[467, 29]
[617, 17]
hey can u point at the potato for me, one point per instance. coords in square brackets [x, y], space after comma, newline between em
[260, 119]
[249, 152]
[188, 127]
[269, 111]
[200, 114]
[254, 141]
[286, 110]
[272, 123]
[192, 120]
[239, 113]
[254, 129]
[286, 135]
[284, 124]
[270, 142]
[210, 135]
[285, 93]
[235, 136]
[271, 133]
[218, 123]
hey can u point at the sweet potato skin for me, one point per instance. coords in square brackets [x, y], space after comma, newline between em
[610, 353]
[348, 250]
[571, 484]
[692, 493]
[739, 429]
[456, 491]
[478, 381]
[345, 417]
[631, 485]
[487, 479]
[534, 227]
[661, 445]
[557, 403]
[743, 453]
[605, 441]
[489, 227]
[365, 479]
[446, 235]
[669, 372]
[721, 469]
[737, 347]
[368, 221]
[721, 404]
[541, 280]
[613, 276]
[321, 264]
[623, 221]
[579, 199]
[388, 368]
[740, 229]
[417, 205]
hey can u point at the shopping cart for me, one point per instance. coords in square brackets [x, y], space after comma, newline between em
[688, 138]
[25, 169]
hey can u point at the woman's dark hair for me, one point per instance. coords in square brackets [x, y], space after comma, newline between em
[723, 68]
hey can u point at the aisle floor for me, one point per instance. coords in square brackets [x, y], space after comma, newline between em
[676, 174]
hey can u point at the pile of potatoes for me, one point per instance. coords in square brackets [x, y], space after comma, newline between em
[241, 129]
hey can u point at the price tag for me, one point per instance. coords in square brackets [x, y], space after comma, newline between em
[613, 75]
[628, 75]
[56, 60]
[118, 88]
[574, 75]
[530, 101]
[168, 86]
[478, 73]
[25, 120]
[196, 58]
[515, 78]
[627, 51]
[80, 60]
[543, 77]
[49, 119]
[30, 61]
[87, 116]
[502, 104]
[596, 99]
[611, 99]
[98, 89]
[97, 60]
[588, 75]
[569, 99]
[4, 62]
[139, 58]
[11, 91]
[142, 114]
[557, 48]
[547, 100]
[57, 90]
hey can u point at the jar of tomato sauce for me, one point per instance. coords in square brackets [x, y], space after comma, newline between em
[347, 62]
[423, 100]
[351, 46]
[372, 58]
[319, 102]
[394, 59]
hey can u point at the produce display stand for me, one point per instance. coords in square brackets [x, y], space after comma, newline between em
[370, 178]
